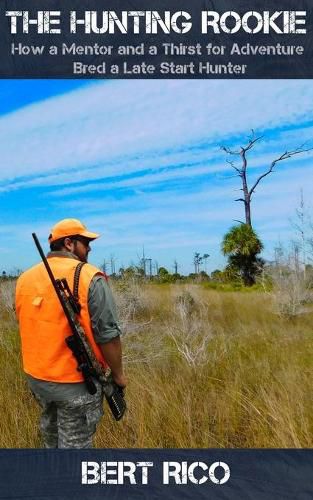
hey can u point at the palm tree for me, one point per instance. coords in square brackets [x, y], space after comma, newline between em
[242, 246]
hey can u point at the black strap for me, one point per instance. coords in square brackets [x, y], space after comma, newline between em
[76, 281]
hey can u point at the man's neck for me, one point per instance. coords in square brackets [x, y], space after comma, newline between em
[62, 253]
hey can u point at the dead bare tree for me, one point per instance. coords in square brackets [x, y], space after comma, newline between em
[175, 266]
[242, 171]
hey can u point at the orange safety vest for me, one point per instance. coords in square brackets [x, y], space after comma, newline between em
[43, 325]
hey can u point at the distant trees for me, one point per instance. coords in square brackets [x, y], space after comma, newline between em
[217, 275]
[242, 246]
[198, 260]
[11, 274]
[163, 274]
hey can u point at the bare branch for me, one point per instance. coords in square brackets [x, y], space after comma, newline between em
[231, 163]
[251, 143]
[229, 151]
[284, 156]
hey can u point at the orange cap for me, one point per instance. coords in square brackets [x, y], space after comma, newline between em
[70, 227]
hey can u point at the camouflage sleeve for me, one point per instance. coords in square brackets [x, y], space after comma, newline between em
[102, 311]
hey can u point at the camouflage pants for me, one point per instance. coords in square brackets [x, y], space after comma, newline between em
[72, 423]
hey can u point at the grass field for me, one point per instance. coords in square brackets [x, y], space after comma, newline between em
[205, 368]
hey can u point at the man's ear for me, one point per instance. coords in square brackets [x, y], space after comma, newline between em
[68, 244]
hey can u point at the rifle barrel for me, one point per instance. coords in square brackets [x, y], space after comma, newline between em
[54, 283]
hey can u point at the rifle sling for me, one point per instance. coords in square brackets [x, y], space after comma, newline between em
[76, 281]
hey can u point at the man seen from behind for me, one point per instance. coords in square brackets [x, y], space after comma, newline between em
[69, 413]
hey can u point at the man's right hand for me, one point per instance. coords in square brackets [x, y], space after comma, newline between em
[120, 380]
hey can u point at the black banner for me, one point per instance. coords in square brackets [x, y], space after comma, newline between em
[121, 474]
[156, 39]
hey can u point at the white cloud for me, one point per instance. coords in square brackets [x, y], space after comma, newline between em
[107, 122]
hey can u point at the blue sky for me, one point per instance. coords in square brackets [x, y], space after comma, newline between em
[140, 162]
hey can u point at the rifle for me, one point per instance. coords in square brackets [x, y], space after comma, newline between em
[78, 343]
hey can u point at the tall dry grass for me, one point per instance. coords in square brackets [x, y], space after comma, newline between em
[205, 369]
